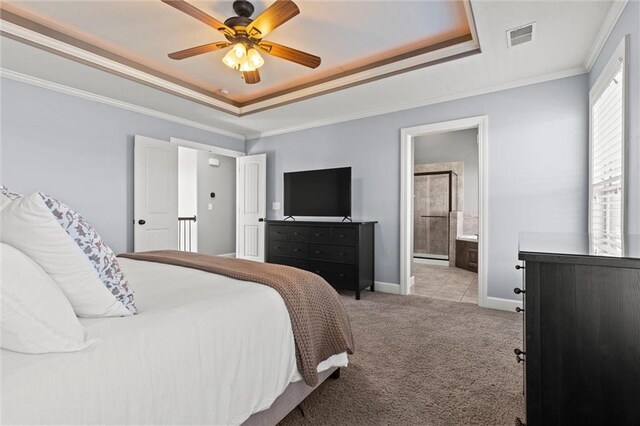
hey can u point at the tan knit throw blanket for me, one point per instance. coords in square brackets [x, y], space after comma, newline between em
[318, 318]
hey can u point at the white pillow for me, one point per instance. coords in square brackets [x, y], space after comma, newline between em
[36, 316]
[71, 252]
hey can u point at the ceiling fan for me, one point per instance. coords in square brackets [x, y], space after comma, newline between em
[245, 35]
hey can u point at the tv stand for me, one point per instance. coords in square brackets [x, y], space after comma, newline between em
[290, 217]
[340, 252]
[347, 218]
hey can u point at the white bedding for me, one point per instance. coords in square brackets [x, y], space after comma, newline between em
[204, 349]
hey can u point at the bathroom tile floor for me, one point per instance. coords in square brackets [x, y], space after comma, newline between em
[443, 282]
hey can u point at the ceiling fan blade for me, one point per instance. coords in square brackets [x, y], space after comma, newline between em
[198, 50]
[274, 16]
[194, 12]
[293, 55]
[251, 77]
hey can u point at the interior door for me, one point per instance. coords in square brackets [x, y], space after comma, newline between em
[155, 191]
[251, 199]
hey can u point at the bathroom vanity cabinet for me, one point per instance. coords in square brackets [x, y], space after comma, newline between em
[467, 255]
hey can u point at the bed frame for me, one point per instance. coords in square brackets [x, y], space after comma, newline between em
[292, 396]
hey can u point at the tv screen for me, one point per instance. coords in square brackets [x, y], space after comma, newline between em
[318, 193]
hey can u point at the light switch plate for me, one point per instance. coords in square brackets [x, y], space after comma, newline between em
[275, 205]
[210, 206]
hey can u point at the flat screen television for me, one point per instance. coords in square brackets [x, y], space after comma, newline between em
[318, 193]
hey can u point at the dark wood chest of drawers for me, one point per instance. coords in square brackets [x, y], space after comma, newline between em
[581, 351]
[342, 253]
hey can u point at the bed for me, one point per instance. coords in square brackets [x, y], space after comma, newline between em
[203, 349]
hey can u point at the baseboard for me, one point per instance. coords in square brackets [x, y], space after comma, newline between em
[227, 255]
[501, 304]
[435, 262]
[383, 287]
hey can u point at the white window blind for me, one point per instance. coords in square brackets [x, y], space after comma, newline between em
[606, 173]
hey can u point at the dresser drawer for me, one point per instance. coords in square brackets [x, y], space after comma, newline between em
[338, 275]
[288, 248]
[297, 233]
[344, 235]
[342, 254]
[278, 233]
[290, 261]
[320, 234]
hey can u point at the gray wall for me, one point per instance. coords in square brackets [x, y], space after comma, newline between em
[537, 174]
[81, 152]
[217, 227]
[629, 23]
[449, 147]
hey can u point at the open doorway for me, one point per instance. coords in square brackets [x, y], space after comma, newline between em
[431, 170]
[445, 215]
[206, 202]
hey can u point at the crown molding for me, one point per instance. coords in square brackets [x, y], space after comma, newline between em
[606, 28]
[13, 75]
[423, 102]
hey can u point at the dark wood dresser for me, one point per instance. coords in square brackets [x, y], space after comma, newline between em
[581, 351]
[342, 253]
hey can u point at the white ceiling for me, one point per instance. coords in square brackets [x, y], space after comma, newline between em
[566, 33]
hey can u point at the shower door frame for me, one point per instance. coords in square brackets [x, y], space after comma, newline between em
[448, 217]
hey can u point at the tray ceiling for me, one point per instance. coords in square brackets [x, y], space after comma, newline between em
[359, 41]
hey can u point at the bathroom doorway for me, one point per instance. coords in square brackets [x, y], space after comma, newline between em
[432, 252]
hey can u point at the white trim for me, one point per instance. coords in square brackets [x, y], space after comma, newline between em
[84, 55]
[34, 81]
[383, 287]
[406, 200]
[422, 102]
[606, 28]
[412, 281]
[502, 304]
[205, 147]
[227, 255]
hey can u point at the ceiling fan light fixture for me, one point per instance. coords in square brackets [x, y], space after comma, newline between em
[240, 51]
[230, 60]
[254, 58]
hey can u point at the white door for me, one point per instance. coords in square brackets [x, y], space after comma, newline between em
[155, 192]
[251, 200]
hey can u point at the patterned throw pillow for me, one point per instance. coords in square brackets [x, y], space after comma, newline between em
[98, 253]
[71, 252]
[9, 194]
[6, 196]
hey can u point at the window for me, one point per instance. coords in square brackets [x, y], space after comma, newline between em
[607, 163]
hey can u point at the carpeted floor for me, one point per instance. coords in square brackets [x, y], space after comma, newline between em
[421, 361]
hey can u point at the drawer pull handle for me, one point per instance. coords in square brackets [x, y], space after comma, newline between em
[343, 254]
[519, 309]
[278, 247]
[296, 250]
[317, 235]
[296, 233]
[518, 267]
[341, 235]
[518, 290]
[341, 275]
[318, 252]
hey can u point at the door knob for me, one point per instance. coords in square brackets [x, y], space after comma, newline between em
[141, 222]
[261, 219]
[518, 290]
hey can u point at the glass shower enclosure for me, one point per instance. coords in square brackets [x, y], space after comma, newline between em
[435, 197]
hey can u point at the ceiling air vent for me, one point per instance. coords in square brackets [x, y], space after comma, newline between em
[521, 35]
